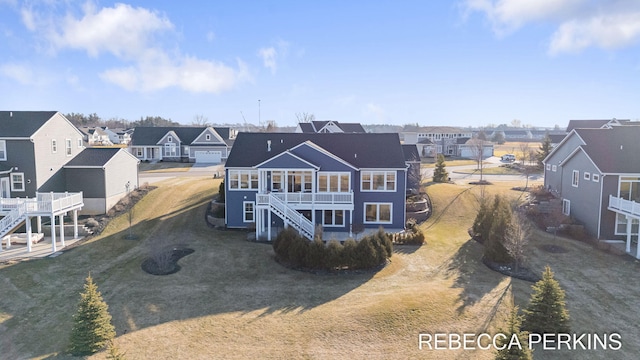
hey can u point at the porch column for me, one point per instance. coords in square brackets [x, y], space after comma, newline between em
[28, 224]
[39, 223]
[350, 223]
[629, 235]
[62, 230]
[269, 225]
[75, 224]
[53, 233]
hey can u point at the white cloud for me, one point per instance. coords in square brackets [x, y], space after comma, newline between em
[133, 36]
[268, 56]
[20, 73]
[580, 23]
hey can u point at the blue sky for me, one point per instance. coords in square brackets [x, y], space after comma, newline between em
[458, 63]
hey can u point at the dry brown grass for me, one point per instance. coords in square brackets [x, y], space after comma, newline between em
[232, 301]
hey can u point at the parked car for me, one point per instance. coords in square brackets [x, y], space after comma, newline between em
[508, 157]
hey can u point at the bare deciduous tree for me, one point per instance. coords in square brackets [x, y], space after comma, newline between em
[517, 237]
[524, 151]
[200, 120]
[305, 117]
[477, 151]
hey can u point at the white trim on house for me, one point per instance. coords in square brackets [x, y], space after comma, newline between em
[250, 179]
[378, 206]
[14, 182]
[333, 216]
[386, 182]
[211, 131]
[249, 208]
[3, 150]
[287, 153]
[566, 207]
[320, 149]
[329, 175]
[575, 178]
[54, 146]
[173, 135]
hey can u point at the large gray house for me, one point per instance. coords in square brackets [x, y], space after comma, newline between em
[596, 173]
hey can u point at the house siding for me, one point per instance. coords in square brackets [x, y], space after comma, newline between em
[585, 198]
[608, 218]
[121, 169]
[553, 180]
[20, 154]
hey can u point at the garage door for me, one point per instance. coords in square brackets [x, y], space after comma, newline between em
[211, 157]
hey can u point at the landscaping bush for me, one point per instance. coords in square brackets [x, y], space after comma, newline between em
[295, 251]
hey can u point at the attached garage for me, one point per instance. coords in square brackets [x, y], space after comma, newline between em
[208, 157]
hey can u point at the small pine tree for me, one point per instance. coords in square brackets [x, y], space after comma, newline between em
[92, 329]
[500, 219]
[544, 150]
[547, 312]
[514, 352]
[440, 174]
[113, 352]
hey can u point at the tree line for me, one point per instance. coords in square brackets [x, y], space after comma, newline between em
[93, 120]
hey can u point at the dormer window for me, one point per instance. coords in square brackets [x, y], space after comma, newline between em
[170, 139]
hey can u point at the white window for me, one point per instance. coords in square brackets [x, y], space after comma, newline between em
[566, 207]
[139, 152]
[68, 147]
[17, 181]
[79, 142]
[170, 139]
[207, 137]
[378, 213]
[333, 218]
[548, 166]
[621, 225]
[170, 150]
[595, 178]
[587, 176]
[554, 168]
[575, 178]
[378, 181]
[334, 182]
[54, 146]
[629, 188]
[243, 179]
[3, 150]
[248, 209]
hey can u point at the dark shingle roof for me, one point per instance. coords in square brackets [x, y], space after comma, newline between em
[613, 150]
[93, 157]
[410, 153]
[362, 150]
[306, 127]
[151, 135]
[316, 125]
[586, 124]
[22, 123]
[351, 127]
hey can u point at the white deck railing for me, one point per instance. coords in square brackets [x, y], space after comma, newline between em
[43, 203]
[338, 198]
[291, 216]
[624, 206]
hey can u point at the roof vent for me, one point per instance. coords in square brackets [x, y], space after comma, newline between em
[621, 146]
[268, 145]
[355, 156]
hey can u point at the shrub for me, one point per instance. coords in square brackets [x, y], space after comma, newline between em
[366, 253]
[334, 254]
[348, 256]
[547, 312]
[221, 197]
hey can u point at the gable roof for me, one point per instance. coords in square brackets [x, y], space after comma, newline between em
[317, 125]
[149, 135]
[588, 124]
[362, 150]
[22, 124]
[94, 157]
[613, 150]
[410, 153]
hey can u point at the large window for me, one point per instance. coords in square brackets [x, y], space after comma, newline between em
[170, 150]
[621, 225]
[378, 180]
[575, 178]
[334, 182]
[333, 218]
[243, 179]
[17, 181]
[299, 181]
[379, 213]
[566, 207]
[629, 188]
[249, 211]
[3, 150]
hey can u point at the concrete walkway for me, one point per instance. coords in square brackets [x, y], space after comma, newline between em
[18, 252]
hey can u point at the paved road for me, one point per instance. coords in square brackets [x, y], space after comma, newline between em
[464, 177]
[196, 170]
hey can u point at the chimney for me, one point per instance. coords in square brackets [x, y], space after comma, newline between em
[268, 145]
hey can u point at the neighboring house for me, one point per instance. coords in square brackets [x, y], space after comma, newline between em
[339, 181]
[118, 136]
[329, 127]
[96, 136]
[183, 144]
[596, 173]
[433, 140]
[34, 145]
[103, 175]
[414, 173]
[474, 148]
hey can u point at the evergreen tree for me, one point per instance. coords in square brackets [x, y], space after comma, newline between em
[514, 352]
[544, 150]
[500, 218]
[440, 174]
[92, 329]
[547, 312]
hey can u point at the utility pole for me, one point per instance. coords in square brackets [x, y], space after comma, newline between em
[259, 117]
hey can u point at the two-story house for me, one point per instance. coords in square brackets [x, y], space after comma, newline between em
[596, 173]
[434, 140]
[343, 182]
[182, 144]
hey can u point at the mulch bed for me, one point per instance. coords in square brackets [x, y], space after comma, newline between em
[523, 273]
[168, 266]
